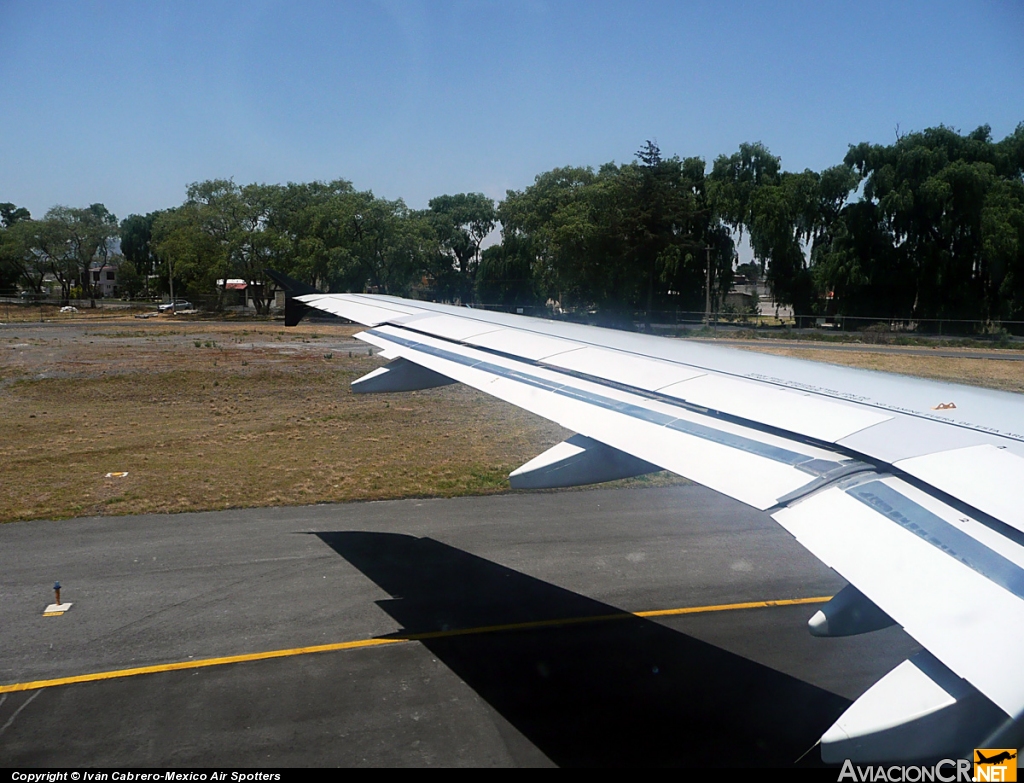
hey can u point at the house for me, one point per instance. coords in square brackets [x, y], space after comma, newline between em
[103, 278]
[238, 293]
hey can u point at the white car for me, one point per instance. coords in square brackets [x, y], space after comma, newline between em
[177, 304]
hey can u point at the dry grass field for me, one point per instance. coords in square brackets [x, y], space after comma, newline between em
[204, 415]
[219, 415]
[991, 373]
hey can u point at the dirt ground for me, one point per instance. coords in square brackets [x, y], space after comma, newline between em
[208, 415]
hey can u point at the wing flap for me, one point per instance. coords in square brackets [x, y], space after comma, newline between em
[949, 591]
[986, 477]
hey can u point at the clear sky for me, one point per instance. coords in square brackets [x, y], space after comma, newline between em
[126, 103]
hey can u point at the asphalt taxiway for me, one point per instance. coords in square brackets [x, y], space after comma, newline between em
[602, 628]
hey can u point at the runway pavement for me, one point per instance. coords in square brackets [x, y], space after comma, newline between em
[477, 632]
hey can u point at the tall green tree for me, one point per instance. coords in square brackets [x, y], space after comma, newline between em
[315, 223]
[936, 231]
[785, 215]
[633, 237]
[190, 258]
[505, 275]
[550, 221]
[140, 261]
[17, 261]
[391, 245]
[11, 214]
[460, 223]
[237, 219]
[82, 237]
[54, 243]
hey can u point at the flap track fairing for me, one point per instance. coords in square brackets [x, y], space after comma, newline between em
[850, 612]
[920, 710]
[400, 375]
[576, 462]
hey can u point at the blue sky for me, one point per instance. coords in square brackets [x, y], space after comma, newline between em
[126, 103]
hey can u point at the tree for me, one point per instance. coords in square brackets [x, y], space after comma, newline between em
[131, 283]
[16, 256]
[936, 232]
[626, 238]
[505, 275]
[535, 219]
[53, 240]
[658, 212]
[314, 221]
[735, 178]
[680, 241]
[460, 223]
[11, 214]
[237, 221]
[136, 247]
[392, 244]
[72, 240]
[785, 215]
[190, 258]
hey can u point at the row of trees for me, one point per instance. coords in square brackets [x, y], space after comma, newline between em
[930, 226]
[64, 246]
[326, 233]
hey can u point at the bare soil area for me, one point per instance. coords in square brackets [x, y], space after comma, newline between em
[205, 415]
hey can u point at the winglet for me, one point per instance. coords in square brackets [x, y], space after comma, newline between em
[291, 286]
[293, 311]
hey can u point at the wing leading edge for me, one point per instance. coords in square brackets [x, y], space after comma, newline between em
[911, 500]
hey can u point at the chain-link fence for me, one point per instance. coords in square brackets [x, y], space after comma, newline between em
[27, 310]
[866, 326]
[21, 309]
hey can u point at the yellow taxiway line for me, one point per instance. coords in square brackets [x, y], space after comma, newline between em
[396, 639]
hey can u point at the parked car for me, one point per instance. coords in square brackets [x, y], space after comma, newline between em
[177, 304]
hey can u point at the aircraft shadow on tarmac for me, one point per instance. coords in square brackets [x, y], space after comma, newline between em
[625, 692]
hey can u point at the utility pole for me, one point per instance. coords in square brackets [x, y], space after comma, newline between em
[707, 287]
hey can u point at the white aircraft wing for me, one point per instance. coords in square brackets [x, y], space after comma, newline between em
[909, 489]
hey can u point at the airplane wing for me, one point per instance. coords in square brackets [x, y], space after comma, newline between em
[909, 489]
